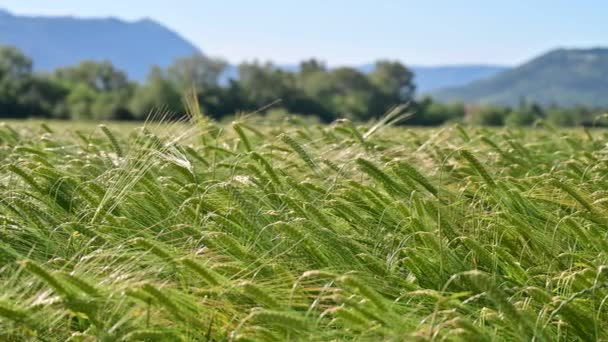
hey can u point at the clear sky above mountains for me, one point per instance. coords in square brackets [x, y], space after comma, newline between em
[353, 32]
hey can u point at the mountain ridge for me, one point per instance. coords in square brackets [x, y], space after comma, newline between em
[437, 77]
[562, 76]
[59, 41]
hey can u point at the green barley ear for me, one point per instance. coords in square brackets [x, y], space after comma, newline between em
[8, 134]
[40, 153]
[331, 165]
[7, 253]
[505, 155]
[46, 128]
[364, 291]
[194, 154]
[9, 312]
[411, 172]
[489, 142]
[475, 333]
[285, 320]
[259, 295]
[237, 128]
[209, 275]
[81, 284]
[227, 244]
[318, 216]
[350, 127]
[113, 140]
[476, 165]
[296, 147]
[348, 316]
[47, 277]
[378, 175]
[588, 134]
[347, 212]
[267, 167]
[26, 178]
[154, 248]
[463, 134]
[86, 142]
[163, 300]
[20, 316]
[483, 255]
[573, 193]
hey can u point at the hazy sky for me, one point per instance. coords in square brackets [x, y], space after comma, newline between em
[425, 32]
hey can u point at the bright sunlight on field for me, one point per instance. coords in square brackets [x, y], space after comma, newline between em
[299, 231]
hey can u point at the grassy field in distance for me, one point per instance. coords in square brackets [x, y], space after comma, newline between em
[296, 231]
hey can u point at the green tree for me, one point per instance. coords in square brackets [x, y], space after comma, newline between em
[315, 81]
[524, 115]
[80, 100]
[15, 78]
[100, 76]
[560, 116]
[45, 97]
[157, 95]
[198, 71]
[264, 84]
[427, 112]
[488, 116]
[14, 64]
[97, 91]
[203, 74]
[311, 66]
[394, 81]
[352, 94]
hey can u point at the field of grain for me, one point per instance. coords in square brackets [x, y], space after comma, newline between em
[297, 231]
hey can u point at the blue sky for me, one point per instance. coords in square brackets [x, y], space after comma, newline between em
[426, 32]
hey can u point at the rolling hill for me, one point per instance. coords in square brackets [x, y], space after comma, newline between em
[565, 77]
[60, 41]
[429, 78]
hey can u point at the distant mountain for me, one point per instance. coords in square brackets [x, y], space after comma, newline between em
[429, 78]
[60, 41]
[565, 77]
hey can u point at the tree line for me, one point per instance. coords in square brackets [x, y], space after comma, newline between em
[99, 91]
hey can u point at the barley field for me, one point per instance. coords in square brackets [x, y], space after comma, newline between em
[290, 230]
